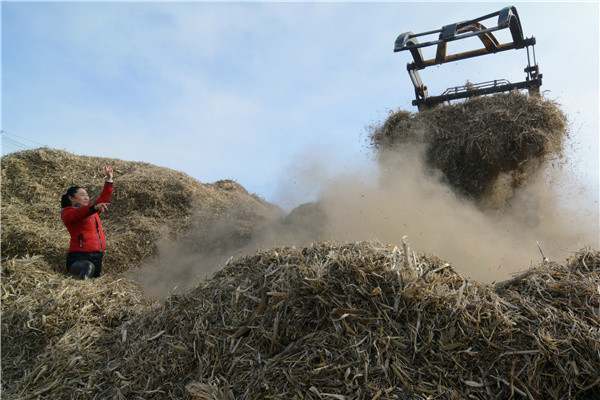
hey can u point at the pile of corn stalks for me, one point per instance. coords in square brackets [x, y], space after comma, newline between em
[477, 141]
[330, 321]
[149, 203]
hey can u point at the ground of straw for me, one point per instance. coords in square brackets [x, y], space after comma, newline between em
[330, 321]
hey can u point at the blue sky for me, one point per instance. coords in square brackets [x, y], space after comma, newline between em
[248, 90]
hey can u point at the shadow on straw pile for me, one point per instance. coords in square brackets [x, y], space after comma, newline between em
[352, 321]
[481, 142]
[149, 203]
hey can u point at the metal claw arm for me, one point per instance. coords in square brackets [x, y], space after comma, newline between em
[508, 18]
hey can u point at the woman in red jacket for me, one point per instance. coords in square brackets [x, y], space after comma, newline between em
[81, 219]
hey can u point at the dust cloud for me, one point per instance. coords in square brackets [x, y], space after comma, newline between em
[175, 270]
[402, 200]
[485, 244]
[209, 242]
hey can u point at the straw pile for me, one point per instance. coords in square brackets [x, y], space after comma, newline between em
[49, 323]
[304, 224]
[149, 203]
[476, 142]
[330, 321]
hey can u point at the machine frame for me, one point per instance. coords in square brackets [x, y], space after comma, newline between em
[507, 19]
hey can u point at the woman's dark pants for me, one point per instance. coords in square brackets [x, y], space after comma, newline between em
[84, 265]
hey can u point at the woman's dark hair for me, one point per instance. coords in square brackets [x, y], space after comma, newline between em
[64, 201]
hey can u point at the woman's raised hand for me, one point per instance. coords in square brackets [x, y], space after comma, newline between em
[109, 171]
[100, 207]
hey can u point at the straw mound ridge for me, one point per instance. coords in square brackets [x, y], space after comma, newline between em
[345, 321]
[149, 202]
[476, 142]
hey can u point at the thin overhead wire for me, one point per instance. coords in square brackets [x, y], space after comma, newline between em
[13, 142]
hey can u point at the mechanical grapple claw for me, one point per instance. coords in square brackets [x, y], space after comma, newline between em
[507, 19]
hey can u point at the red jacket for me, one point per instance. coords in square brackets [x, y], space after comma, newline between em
[84, 224]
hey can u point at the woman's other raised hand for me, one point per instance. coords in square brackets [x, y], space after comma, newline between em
[109, 172]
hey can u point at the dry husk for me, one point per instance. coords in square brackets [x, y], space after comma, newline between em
[330, 321]
[477, 141]
[50, 321]
[148, 203]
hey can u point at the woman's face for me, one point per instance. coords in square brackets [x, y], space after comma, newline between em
[80, 198]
